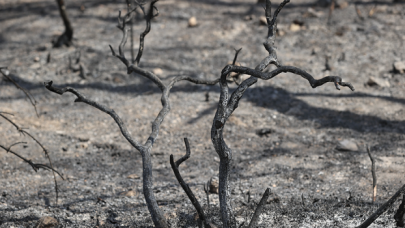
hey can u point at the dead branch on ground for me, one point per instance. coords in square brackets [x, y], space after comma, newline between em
[382, 209]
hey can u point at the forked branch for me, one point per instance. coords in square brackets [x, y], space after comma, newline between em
[24, 132]
[35, 166]
[175, 168]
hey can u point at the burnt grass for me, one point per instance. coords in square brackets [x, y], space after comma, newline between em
[284, 133]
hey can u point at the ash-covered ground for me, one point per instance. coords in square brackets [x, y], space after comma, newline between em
[313, 184]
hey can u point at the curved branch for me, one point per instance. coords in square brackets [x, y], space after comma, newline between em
[175, 167]
[284, 69]
[111, 112]
[34, 166]
[27, 94]
[148, 18]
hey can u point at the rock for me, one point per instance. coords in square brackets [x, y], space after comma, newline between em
[214, 186]
[295, 27]
[347, 145]
[47, 222]
[133, 176]
[158, 71]
[36, 59]
[249, 17]
[192, 22]
[130, 193]
[399, 67]
[263, 20]
[35, 66]
[311, 12]
[342, 4]
[372, 81]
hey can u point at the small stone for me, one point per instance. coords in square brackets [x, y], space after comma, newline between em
[192, 22]
[295, 27]
[249, 17]
[311, 12]
[372, 81]
[35, 66]
[36, 59]
[263, 20]
[46, 222]
[347, 145]
[133, 176]
[158, 71]
[399, 67]
[280, 32]
[214, 186]
[342, 4]
[130, 193]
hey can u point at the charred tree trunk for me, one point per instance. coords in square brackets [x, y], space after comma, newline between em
[67, 37]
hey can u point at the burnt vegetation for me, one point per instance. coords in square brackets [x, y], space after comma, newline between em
[268, 68]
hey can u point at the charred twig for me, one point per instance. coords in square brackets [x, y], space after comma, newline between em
[27, 94]
[175, 168]
[67, 37]
[374, 175]
[400, 214]
[35, 166]
[383, 208]
[148, 17]
[207, 193]
[24, 132]
[259, 209]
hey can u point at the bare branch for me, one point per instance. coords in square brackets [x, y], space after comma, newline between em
[259, 209]
[374, 175]
[34, 166]
[175, 166]
[24, 132]
[284, 69]
[27, 94]
[148, 17]
[382, 209]
[81, 98]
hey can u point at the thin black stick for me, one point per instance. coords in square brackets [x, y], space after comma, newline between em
[259, 209]
[24, 132]
[382, 209]
[374, 197]
[207, 192]
[35, 166]
[175, 166]
[27, 94]
[148, 17]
